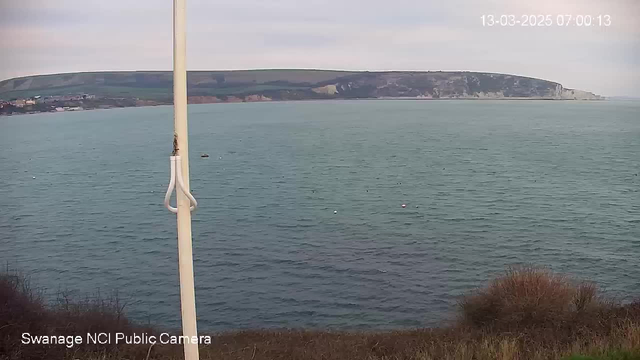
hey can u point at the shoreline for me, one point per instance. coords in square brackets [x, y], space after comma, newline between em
[507, 99]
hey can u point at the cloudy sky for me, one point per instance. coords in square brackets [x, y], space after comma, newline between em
[54, 36]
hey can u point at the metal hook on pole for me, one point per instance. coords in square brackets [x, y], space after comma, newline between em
[176, 174]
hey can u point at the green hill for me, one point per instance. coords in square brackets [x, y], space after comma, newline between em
[249, 85]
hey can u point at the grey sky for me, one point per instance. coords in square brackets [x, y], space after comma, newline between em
[38, 37]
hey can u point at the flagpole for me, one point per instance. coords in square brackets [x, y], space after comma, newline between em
[181, 150]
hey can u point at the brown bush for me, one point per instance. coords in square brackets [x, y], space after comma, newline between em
[586, 297]
[529, 298]
[23, 310]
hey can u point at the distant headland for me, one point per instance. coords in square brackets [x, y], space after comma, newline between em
[93, 90]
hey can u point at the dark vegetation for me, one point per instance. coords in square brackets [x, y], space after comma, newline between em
[100, 103]
[525, 314]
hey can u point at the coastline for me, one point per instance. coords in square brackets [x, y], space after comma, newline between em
[192, 102]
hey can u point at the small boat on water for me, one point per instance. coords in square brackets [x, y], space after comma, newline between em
[204, 155]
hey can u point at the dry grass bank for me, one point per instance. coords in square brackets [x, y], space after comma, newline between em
[525, 314]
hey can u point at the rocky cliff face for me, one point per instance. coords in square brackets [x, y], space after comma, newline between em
[449, 85]
[572, 94]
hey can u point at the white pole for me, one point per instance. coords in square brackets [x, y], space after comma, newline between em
[181, 148]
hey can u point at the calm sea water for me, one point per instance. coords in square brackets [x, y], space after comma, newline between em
[486, 184]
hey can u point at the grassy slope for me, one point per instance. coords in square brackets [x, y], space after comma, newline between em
[610, 355]
[526, 314]
[150, 84]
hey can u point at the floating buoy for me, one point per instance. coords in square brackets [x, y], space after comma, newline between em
[335, 211]
[404, 205]
[34, 177]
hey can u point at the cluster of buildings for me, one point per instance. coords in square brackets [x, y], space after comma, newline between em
[45, 100]
[18, 102]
